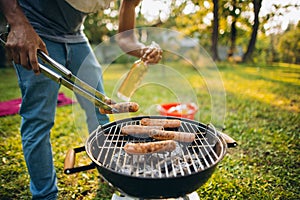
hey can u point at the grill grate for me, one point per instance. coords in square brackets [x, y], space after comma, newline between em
[107, 151]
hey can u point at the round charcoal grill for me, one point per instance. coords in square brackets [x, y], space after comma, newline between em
[158, 175]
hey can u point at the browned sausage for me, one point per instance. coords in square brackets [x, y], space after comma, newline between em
[150, 147]
[138, 130]
[172, 135]
[166, 123]
[109, 101]
[121, 108]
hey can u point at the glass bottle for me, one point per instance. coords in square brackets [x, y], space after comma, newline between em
[132, 80]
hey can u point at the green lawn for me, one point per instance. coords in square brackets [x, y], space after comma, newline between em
[262, 114]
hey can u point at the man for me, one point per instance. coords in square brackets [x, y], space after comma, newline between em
[55, 27]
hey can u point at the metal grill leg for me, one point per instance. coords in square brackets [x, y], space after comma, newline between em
[192, 196]
[117, 197]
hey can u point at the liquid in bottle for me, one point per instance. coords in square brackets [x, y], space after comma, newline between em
[132, 80]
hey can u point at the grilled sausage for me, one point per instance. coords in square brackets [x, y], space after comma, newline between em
[166, 123]
[109, 101]
[121, 108]
[172, 135]
[138, 130]
[150, 147]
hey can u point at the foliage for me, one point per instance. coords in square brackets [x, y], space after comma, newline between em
[195, 24]
[194, 19]
[289, 45]
[263, 50]
[262, 115]
[242, 21]
[102, 24]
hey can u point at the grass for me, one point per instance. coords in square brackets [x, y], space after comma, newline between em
[262, 114]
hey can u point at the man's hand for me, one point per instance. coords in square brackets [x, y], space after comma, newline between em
[22, 41]
[151, 54]
[22, 45]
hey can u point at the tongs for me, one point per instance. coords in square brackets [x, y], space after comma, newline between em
[65, 77]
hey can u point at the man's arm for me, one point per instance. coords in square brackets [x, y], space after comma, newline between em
[127, 39]
[22, 41]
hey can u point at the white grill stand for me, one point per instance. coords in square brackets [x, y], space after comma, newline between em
[192, 196]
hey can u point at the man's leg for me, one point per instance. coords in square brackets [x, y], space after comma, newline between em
[39, 100]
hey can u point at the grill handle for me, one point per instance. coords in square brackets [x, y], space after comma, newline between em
[69, 165]
[229, 140]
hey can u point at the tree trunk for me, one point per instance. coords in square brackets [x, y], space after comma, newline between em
[251, 45]
[215, 33]
[233, 32]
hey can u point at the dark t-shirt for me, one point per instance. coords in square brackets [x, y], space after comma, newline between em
[55, 20]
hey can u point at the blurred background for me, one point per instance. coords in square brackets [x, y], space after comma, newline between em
[235, 30]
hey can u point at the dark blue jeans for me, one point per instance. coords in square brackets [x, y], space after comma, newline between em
[39, 100]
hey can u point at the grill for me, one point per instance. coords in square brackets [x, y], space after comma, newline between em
[158, 175]
[106, 147]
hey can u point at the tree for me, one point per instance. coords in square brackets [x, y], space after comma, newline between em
[277, 37]
[215, 33]
[251, 45]
[289, 45]
[233, 30]
[197, 22]
[232, 11]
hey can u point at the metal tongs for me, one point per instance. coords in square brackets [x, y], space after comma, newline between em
[65, 77]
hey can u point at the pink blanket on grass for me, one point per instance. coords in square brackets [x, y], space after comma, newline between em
[12, 107]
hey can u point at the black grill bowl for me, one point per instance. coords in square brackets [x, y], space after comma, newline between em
[155, 188]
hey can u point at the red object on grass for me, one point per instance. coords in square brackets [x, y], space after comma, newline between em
[12, 107]
[183, 110]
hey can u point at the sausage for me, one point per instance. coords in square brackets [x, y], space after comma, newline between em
[166, 123]
[172, 135]
[138, 130]
[150, 147]
[109, 101]
[121, 108]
